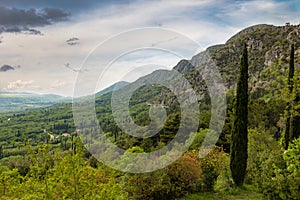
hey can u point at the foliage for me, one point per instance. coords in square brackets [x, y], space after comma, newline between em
[184, 175]
[212, 165]
[280, 174]
[59, 175]
[262, 150]
[177, 180]
[154, 185]
[198, 139]
[10, 181]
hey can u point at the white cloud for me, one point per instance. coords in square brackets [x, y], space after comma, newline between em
[245, 13]
[21, 85]
[58, 84]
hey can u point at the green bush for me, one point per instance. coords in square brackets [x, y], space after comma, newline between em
[264, 153]
[280, 174]
[211, 167]
[184, 175]
[287, 180]
[154, 185]
[262, 149]
[177, 180]
[9, 181]
[21, 164]
[210, 137]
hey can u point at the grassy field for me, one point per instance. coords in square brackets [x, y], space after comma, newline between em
[246, 193]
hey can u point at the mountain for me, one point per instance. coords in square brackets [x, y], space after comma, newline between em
[268, 48]
[16, 101]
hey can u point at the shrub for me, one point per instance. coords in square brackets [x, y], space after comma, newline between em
[211, 167]
[177, 180]
[280, 176]
[261, 150]
[21, 164]
[154, 185]
[288, 179]
[10, 180]
[184, 175]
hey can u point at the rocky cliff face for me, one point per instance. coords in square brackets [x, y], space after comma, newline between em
[268, 47]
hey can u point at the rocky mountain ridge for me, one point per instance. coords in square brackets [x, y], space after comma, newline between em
[268, 50]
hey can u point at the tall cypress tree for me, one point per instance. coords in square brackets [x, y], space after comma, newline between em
[239, 134]
[1, 152]
[292, 69]
[294, 131]
[289, 123]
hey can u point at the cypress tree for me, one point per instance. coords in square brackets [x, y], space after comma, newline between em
[1, 152]
[294, 129]
[291, 69]
[287, 129]
[239, 134]
[289, 122]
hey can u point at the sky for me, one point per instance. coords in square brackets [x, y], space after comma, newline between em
[46, 45]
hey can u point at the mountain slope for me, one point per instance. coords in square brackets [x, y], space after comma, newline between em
[113, 87]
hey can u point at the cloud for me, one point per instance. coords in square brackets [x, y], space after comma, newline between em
[32, 32]
[72, 41]
[52, 15]
[19, 20]
[58, 84]
[23, 30]
[247, 13]
[6, 68]
[67, 65]
[21, 85]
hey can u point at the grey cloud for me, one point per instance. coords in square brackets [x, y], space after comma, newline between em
[55, 15]
[67, 65]
[73, 41]
[5, 68]
[19, 20]
[32, 32]
[17, 29]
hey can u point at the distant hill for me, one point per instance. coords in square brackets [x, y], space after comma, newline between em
[16, 101]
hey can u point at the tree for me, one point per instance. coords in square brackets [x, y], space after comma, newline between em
[294, 131]
[239, 134]
[290, 87]
[1, 152]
